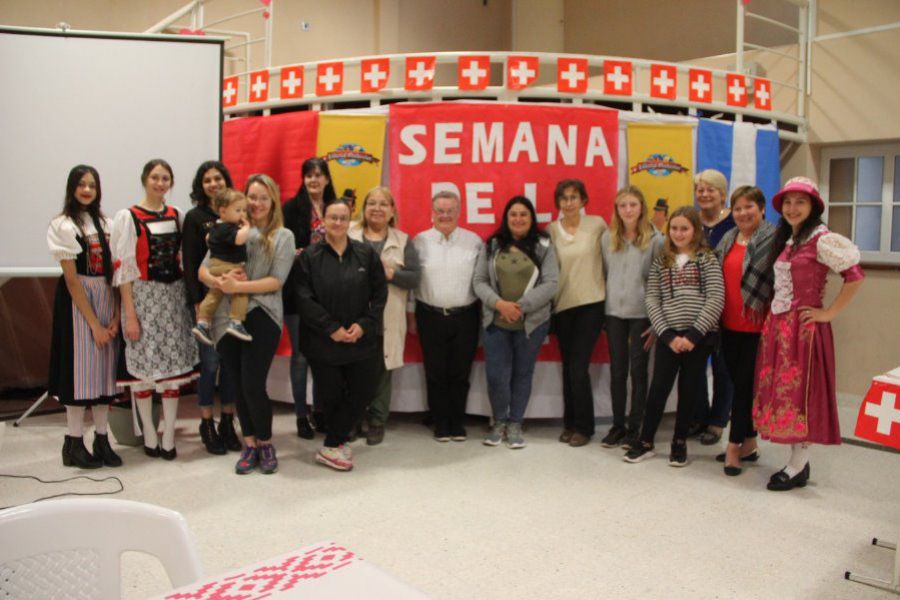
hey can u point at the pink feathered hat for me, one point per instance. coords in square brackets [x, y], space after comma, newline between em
[799, 184]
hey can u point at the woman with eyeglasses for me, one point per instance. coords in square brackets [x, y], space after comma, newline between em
[341, 294]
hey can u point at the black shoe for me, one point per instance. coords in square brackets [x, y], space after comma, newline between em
[168, 454]
[733, 471]
[752, 457]
[104, 452]
[695, 430]
[710, 438]
[639, 453]
[458, 433]
[678, 454]
[227, 433]
[74, 454]
[304, 429]
[151, 452]
[614, 437]
[631, 439]
[375, 435]
[780, 482]
[210, 437]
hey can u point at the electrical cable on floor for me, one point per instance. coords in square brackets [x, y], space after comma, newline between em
[52, 481]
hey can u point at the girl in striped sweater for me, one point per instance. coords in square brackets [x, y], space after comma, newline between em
[685, 296]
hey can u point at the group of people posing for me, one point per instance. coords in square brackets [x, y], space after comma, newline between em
[719, 283]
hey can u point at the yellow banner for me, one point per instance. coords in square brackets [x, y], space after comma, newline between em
[660, 163]
[353, 145]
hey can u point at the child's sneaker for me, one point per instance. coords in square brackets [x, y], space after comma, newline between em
[639, 453]
[514, 437]
[334, 458]
[236, 328]
[496, 435]
[248, 461]
[678, 455]
[614, 437]
[268, 464]
[202, 333]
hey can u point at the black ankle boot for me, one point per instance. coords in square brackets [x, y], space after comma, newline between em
[210, 437]
[104, 452]
[227, 433]
[78, 455]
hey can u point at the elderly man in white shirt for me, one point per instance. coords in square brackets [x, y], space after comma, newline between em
[447, 314]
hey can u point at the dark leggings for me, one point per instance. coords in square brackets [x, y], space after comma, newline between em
[690, 368]
[345, 391]
[739, 349]
[247, 367]
[577, 330]
[627, 354]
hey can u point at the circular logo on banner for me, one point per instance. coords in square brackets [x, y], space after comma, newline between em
[350, 155]
[658, 165]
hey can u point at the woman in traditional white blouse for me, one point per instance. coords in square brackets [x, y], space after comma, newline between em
[160, 353]
[84, 343]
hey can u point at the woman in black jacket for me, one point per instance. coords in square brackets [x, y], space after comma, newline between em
[341, 293]
[212, 177]
[303, 215]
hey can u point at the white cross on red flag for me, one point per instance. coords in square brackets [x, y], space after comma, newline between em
[572, 75]
[699, 85]
[419, 73]
[663, 81]
[735, 89]
[374, 74]
[762, 94]
[521, 71]
[617, 77]
[259, 86]
[473, 72]
[879, 413]
[291, 82]
[329, 79]
[229, 91]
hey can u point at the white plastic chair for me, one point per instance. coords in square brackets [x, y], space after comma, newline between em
[72, 548]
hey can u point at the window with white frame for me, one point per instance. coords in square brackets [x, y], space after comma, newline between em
[861, 188]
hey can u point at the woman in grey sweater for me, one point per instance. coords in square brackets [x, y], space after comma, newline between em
[516, 278]
[628, 247]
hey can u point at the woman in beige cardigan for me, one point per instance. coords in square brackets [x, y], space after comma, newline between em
[377, 227]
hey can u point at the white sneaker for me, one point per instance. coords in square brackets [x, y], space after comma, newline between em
[334, 458]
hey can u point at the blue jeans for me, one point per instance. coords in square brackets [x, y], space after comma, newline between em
[206, 384]
[299, 369]
[509, 359]
[723, 393]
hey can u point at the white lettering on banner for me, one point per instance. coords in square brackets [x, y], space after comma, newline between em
[597, 147]
[485, 144]
[564, 146]
[475, 203]
[887, 413]
[488, 144]
[523, 142]
[443, 144]
[417, 153]
[530, 192]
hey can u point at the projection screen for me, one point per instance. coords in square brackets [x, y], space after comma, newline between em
[109, 100]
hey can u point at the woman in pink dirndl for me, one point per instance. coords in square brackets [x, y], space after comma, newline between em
[795, 401]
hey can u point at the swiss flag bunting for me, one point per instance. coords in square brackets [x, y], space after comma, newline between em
[329, 79]
[419, 73]
[521, 71]
[572, 75]
[663, 81]
[762, 94]
[617, 78]
[229, 91]
[374, 74]
[474, 72]
[699, 85]
[291, 82]
[735, 90]
[259, 86]
[879, 414]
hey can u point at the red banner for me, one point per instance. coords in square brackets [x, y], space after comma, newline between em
[879, 414]
[275, 145]
[489, 153]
